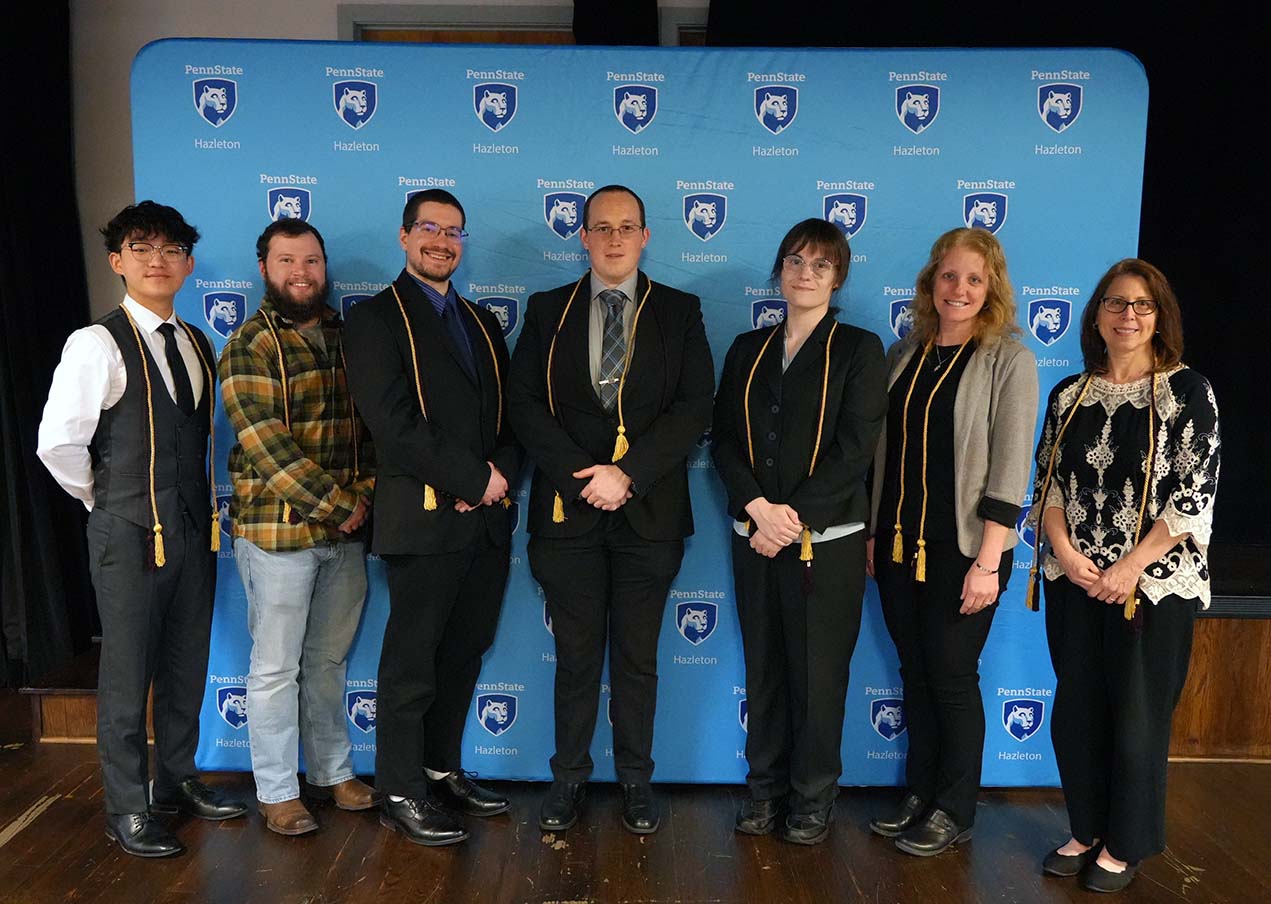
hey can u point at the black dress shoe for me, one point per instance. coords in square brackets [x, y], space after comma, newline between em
[639, 810]
[141, 836]
[758, 817]
[560, 808]
[1067, 865]
[910, 811]
[458, 792]
[932, 835]
[808, 828]
[421, 822]
[197, 799]
[1096, 878]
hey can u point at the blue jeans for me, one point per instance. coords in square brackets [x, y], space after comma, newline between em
[303, 609]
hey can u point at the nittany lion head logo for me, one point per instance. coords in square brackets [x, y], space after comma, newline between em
[887, 715]
[1022, 718]
[743, 714]
[696, 620]
[355, 102]
[496, 712]
[845, 210]
[231, 702]
[1059, 105]
[494, 103]
[289, 203]
[767, 312]
[635, 106]
[507, 310]
[224, 311]
[1025, 529]
[1048, 319]
[984, 210]
[776, 106]
[900, 315]
[349, 302]
[563, 211]
[223, 521]
[216, 99]
[917, 106]
[704, 214]
[360, 707]
[547, 620]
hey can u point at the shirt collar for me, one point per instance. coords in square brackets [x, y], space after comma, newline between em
[627, 287]
[438, 300]
[145, 318]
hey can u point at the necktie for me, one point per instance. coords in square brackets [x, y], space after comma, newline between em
[176, 364]
[613, 347]
[459, 336]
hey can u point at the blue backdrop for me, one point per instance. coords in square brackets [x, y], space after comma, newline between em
[728, 148]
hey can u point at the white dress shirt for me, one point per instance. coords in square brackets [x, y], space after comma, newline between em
[91, 378]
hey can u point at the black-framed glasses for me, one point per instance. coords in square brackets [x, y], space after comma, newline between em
[1114, 304]
[171, 252]
[454, 233]
[821, 268]
[625, 231]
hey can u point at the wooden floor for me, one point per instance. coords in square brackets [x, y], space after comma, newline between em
[52, 848]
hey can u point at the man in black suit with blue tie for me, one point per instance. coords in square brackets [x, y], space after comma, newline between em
[610, 389]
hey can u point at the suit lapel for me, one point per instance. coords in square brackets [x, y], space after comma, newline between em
[574, 342]
[425, 320]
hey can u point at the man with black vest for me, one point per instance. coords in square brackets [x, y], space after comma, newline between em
[126, 430]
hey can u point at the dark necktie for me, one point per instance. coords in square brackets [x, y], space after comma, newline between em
[613, 347]
[459, 337]
[176, 364]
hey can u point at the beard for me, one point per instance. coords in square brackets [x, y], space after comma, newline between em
[292, 309]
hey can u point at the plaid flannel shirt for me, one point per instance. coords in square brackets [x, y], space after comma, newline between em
[314, 466]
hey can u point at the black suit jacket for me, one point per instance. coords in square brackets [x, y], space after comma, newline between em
[784, 409]
[449, 450]
[666, 404]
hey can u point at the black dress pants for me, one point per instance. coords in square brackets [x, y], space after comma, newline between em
[939, 652]
[607, 586]
[443, 613]
[799, 625]
[1115, 694]
[156, 628]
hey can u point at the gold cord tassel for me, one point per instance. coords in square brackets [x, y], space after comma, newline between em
[746, 525]
[1131, 604]
[430, 499]
[286, 513]
[620, 445]
[805, 545]
[160, 559]
[897, 548]
[1030, 592]
[920, 562]
[507, 503]
[558, 510]
[216, 531]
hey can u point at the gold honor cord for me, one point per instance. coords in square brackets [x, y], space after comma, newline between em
[353, 431]
[430, 495]
[620, 444]
[498, 378]
[558, 505]
[286, 396]
[897, 546]
[1132, 601]
[160, 559]
[211, 434]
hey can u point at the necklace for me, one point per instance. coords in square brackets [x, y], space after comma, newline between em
[940, 359]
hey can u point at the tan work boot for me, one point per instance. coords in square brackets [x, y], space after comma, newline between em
[288, 818]
[353, 794]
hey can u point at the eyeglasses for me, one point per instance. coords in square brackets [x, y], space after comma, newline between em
[821, 268]
[454, 233]
[625, 231]
[1116, 305]
[172, 253]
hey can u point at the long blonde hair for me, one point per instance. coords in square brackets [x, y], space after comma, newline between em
[997, 318]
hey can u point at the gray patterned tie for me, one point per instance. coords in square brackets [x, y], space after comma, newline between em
[613, 347]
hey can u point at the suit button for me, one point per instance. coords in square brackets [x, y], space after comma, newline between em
[776, 409]
[769, 462]
[772, 436]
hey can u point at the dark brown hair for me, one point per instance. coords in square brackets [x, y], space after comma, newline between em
[1167, 341]
[822, 235]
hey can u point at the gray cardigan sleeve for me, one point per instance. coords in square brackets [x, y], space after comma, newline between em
[1013, 421]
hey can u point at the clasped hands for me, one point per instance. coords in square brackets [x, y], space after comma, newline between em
[608, 487]
[495, 489]
[1113, 585]
[776, 526]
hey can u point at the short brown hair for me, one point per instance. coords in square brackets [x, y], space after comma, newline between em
[997, 318]
[1167, 342]
[819, 234]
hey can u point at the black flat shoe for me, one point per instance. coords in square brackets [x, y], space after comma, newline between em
[936, 832]
[197, 799]
[458, 792]
[140, 835]
[808, 828]
[421, 822]
[1066, 866]
[562, 805]
[1096, 878]
[639, 810]
[910, 811]
[758, 817]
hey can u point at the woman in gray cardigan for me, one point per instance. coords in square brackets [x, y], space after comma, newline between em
[950, 474]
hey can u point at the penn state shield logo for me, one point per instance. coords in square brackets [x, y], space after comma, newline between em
[887, 715]
[216, 99]
[705, 213]
[635, 106]
[704, 441]
[917, 106]
[984, 210]
[563, 211]
[360, 707]
[224, 523]
[1026, 531]
[767, 312]
[289, 202]
[776, 107]
[231, 702]
[696, 620]
[507, 310]
[1059, 105]
[349, 302]
[743, 714]
[1048, 319]
[496, 712]
[355, 102]
[845, 210]
[494, 103]
[1022, 718]
[900, 315]
[224, 311]
[547, 620]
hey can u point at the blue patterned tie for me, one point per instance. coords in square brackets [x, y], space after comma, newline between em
[613, 347]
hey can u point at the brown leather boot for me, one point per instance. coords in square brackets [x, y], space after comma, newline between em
[288, 818]
[353, 795]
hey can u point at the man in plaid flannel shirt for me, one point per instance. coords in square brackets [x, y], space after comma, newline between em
[303, 481]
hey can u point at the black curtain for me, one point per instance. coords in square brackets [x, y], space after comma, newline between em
[47, 612]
